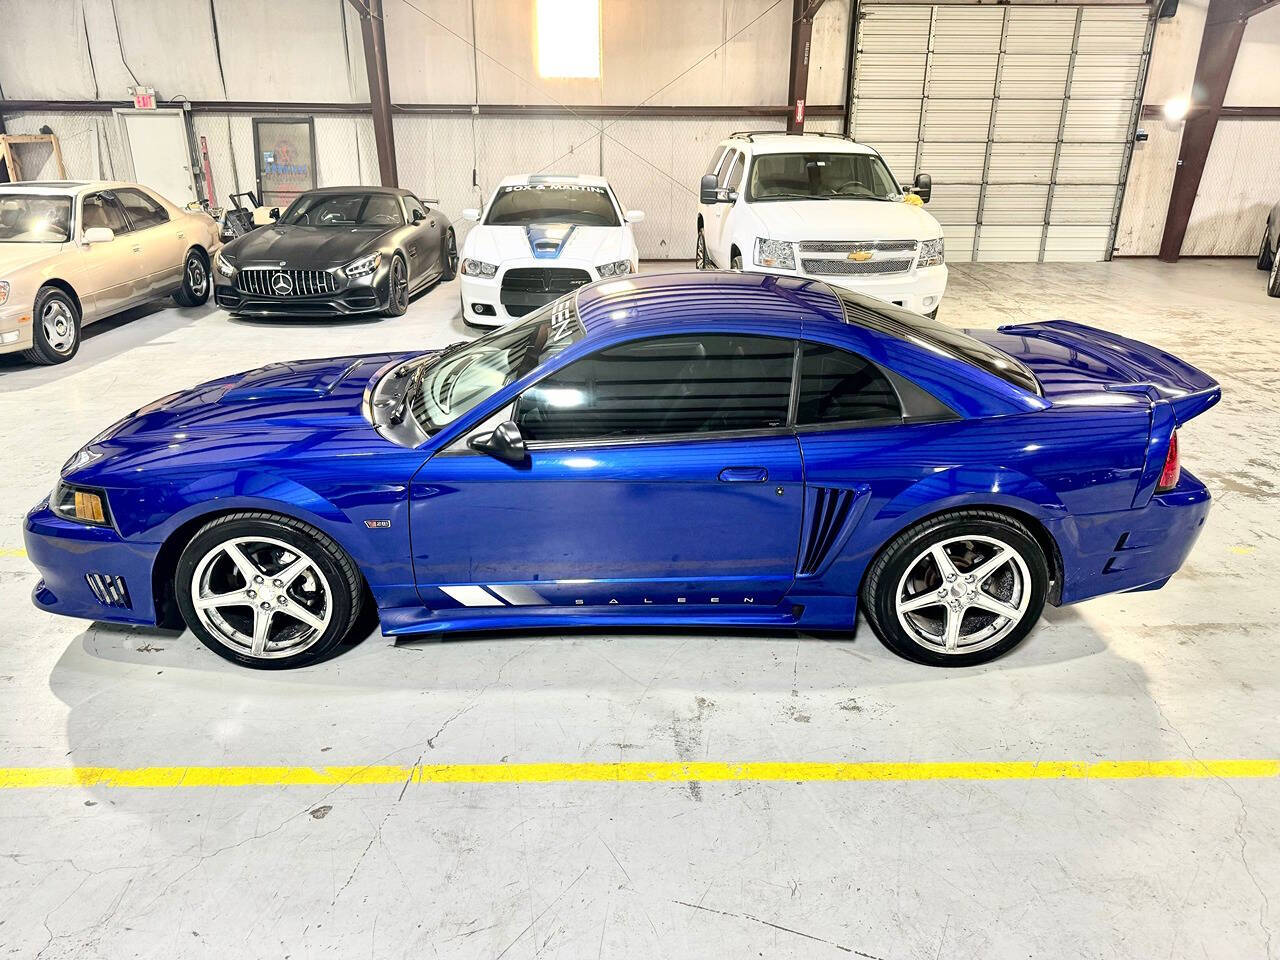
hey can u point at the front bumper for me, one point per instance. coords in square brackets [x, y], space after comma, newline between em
[919, 289]
[482, 299]
[68, 554]
[15, 324]
[1130, 549]
[361, 295]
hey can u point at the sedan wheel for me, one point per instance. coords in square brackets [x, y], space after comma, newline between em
[1265, 256]
[56, 331]
[266, 591]
[195, 281]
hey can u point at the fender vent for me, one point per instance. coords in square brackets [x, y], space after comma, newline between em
[829, 512]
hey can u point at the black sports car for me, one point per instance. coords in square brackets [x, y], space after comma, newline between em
[338, 250]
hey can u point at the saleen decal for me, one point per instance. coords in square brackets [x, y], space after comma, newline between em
[516, 595]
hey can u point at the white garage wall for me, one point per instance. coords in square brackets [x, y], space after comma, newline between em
[659, 52]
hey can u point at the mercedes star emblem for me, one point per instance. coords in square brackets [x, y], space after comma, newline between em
[282, 285]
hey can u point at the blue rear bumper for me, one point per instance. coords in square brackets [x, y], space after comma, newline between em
[67, 554]
[1130, 549]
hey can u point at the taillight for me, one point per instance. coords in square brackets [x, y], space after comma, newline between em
[1172, 469]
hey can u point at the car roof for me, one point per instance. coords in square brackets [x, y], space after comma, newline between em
[782, 142]
[586, 179]
[63, 187]
[392, 191]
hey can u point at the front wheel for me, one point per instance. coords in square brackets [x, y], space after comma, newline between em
[55, 328]
[449, 268]
[959, 589]
[700, 252]
[1265, 256]
[735, 262]
[1273, 281]
[266, 591]
[194, 291]
[397, 288]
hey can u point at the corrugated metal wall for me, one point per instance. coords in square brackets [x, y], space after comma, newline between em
[1021, 114]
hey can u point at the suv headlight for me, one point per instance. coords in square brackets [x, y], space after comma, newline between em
[364, 266]
[81, 504]
[615, 269]
[4, 292]
[478, 268]
[224, 266]
[775, 253]
[930, 253]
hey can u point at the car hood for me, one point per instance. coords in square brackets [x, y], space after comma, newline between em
[557, 244]
[303, 247]
[844, 220]
[15, 256]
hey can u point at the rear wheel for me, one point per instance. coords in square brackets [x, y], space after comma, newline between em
[55, 323]
[195, 280]
[959, 589]
[267, 592]
[700, 252]
[450, 267]
[1265, 256]
[397, 288]
[1273, 282]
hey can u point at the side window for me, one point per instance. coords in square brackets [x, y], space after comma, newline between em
[735, 174]
[730, 162]
[702, 383]
[838, 387]
[382, 208]
[142, 210]
[715, 161]
[101, 211]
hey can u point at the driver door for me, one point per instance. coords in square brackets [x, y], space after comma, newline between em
[719, 230]
[660, 474]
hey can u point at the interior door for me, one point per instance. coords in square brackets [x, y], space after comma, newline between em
[661, 473]
[159, 152]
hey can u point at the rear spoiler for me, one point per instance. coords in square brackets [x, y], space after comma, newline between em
[1147, 370]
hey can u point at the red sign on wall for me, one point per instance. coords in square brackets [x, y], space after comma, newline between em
[144, 98]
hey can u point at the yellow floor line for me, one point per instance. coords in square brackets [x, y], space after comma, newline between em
[15, 778]
[12, 552]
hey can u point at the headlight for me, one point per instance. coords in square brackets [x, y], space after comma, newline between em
[81, 504]
[224, 266]
[775, 253]
[478, 268]
[364, 266]
[615, 269]
[4, 292]
[930, 253]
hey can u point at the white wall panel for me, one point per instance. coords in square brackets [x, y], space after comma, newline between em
[958, 242]
[1027, 121]
[953, 162]
[1015, 204]
[1082, 204]
[1034, 75]
[957, 121]
[955, 203]
[886, 76]
[962, 75]
[1146, 197]
[1090, 163]
[1013, 244]
[1097, 121]
[894, 29]
[967, 29]
[1114, 76]
[886, 121]
[1241, 181]
[1040, 30]
[1076, 243]
[1020, 163]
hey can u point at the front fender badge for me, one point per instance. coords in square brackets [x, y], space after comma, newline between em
[377, 524]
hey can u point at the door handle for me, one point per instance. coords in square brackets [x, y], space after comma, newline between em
[744, 475]
[137, 248]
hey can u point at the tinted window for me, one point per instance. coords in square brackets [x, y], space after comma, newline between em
[583, 204]
[715, 161]
[837, 386]
[729, 164]
[735, 175]
[850, 176]
[101, 211]
[344, 210]
[668, 385]
[142, 210]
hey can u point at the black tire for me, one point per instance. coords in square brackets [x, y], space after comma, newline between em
[55, 328]
[397, 288]
[196, 281]
[735, 262]
[1265, 254]
[932, 314]
[345, 588]
[449, 268]
[1273, 281]
[700, 252]
[904, 552]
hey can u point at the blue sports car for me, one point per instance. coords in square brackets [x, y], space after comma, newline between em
[711, 450]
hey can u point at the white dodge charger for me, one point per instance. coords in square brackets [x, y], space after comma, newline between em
[541, 236]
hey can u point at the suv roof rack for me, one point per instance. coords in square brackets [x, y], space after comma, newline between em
[750, 135]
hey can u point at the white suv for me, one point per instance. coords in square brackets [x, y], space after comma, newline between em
[822, 206]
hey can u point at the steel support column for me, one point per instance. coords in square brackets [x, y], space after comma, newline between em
[375, 62]
[803, 12]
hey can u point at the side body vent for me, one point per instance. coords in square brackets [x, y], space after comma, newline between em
[830, 515]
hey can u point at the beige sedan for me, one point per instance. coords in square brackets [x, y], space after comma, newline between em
[75, 252]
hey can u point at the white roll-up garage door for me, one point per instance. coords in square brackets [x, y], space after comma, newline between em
[1023, 115]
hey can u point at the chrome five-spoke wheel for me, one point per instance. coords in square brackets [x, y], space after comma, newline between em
[261, 597]
[59, 326]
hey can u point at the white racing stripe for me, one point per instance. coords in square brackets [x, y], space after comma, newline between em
[518, 596]
[472, 596]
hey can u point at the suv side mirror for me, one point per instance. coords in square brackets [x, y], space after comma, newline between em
[923, 187]
[505, 443]
[707, 191]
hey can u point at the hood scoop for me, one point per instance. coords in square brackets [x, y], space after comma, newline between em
[548, 240]
[300, 379]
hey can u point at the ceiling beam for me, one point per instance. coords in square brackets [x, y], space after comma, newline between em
[1223, 32]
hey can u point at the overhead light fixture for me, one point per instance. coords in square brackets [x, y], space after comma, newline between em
[1176, 109]
[568, 41]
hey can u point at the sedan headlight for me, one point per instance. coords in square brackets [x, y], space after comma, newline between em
[931, 253]
[615, 269]
[478, 268]
[224, 266]
[4, 292]
[775, 253]
[81, 504]
[364, 266]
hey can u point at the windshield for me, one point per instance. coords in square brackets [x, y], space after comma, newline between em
[450, 384]
[808, 176]
[576, 203]
[25, 218]
[344, 210]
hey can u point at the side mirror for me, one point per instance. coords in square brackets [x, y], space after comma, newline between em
[417, 216]
[505, 443]
[275, 213]
[707, 192]
[471, 213]
[98, 235]
[923, 187]
[633, 216]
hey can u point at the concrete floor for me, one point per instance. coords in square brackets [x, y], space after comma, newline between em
[892, 870]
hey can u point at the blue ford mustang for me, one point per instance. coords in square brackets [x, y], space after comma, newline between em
[694, 449]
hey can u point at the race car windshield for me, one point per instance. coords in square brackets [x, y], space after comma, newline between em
[825, 176]
[28, 219]
[574, 203]
[455, 382]
[344, 210]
